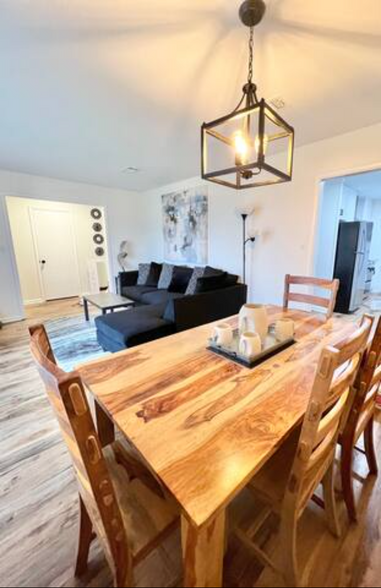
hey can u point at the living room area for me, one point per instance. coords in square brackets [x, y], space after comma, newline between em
[190, 319]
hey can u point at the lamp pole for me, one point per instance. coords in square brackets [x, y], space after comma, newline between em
[245, 241]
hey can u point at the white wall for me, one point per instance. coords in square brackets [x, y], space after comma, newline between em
[328, 227]
[19, 212]
[285, 214]
[125, 219]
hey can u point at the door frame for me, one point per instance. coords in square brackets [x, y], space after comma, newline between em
[32, 212]
[313, 246]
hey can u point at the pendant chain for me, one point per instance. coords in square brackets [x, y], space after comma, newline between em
[251, 55]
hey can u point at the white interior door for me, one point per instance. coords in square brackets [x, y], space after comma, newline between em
[56, 253]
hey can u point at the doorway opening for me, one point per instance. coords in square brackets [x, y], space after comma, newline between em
[60, 249]
[348, 241]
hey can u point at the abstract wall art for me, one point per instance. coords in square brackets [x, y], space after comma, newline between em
[185, 226]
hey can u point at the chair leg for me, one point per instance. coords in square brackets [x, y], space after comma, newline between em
[347, 480]
[330, 502]
[84, 540]
[369, 448]
[288, 538]
[124, 577]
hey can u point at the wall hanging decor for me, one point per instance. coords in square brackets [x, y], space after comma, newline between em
[185, 226]
[97, 227]
[96, 213]
[238, 149]
[98, 239]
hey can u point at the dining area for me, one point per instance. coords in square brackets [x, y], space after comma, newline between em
[226, 437]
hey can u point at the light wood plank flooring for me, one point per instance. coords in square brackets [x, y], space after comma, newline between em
[38, 508]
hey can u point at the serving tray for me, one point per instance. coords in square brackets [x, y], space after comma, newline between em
[270, 348]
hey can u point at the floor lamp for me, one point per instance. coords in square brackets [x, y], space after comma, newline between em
[245, 241]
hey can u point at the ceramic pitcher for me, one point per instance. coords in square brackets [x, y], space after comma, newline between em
[254, 318]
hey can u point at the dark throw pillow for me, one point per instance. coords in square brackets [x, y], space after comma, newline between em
[154, 275]
[180, 279]
[212, 271]
[149, 274]
[210, 283]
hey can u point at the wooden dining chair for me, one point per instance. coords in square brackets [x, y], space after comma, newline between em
[289, 480]
[327, 303]
[127, 517]
[361, 419]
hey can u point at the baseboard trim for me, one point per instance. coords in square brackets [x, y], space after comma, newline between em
[32, 302]
[12, 319]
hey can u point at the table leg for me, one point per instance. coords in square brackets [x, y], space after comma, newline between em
[86, 308]
[105, 426]
[203, 553]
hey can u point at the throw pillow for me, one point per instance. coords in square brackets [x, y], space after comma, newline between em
[198, 272]
[210, 283]
[144, 269]
[211, 271]
[180, 279]
[154, 275]
[165, 276]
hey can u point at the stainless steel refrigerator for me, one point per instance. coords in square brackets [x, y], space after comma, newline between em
[352, 256]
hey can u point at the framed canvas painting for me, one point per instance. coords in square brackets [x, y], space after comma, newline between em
[185, 226]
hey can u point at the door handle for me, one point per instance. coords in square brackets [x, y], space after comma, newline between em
[43, 261]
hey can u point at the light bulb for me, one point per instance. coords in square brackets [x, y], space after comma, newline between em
[241, 148]
[257, 144]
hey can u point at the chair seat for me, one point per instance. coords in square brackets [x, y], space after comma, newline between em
[146, 515]
[270, 483]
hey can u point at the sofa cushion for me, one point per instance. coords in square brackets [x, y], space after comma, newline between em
[135, 293]
[160, 297]
[180, 279]
[132, 327]
[165, 276]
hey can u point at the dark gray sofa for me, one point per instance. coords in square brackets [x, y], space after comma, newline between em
[159, 313]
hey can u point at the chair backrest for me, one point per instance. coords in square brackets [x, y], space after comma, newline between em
[68, 399]
[328, 304]
[367, 385]
[335, 376]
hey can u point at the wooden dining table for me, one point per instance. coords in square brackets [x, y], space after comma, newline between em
[205, 425]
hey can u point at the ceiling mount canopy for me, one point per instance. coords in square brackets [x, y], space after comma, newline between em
[237, 148]
[252, 12]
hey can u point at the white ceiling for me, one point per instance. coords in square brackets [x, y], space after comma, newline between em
[89, 87]
[366, 184]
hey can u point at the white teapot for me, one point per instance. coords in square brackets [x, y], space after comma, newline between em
[254, 318]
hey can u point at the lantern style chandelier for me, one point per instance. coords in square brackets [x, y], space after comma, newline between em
[237, 148]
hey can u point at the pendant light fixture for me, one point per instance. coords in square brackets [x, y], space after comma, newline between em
[237, 149]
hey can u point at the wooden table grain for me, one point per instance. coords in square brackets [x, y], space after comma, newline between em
[205, 425]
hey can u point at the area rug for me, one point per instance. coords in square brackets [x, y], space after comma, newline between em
[74, 341]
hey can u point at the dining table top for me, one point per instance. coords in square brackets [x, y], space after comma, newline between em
[204, 424]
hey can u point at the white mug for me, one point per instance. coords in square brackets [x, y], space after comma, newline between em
[223, 334]
[254, 318]
[284, 329]
[250, 345]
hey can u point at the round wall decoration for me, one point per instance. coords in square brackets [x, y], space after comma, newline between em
[99, 251]
[96, 213]
[97, 227]
[98, 239]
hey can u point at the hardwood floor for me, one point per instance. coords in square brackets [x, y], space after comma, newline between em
[38, 499]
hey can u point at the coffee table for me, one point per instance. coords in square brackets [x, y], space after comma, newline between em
[106, 301]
